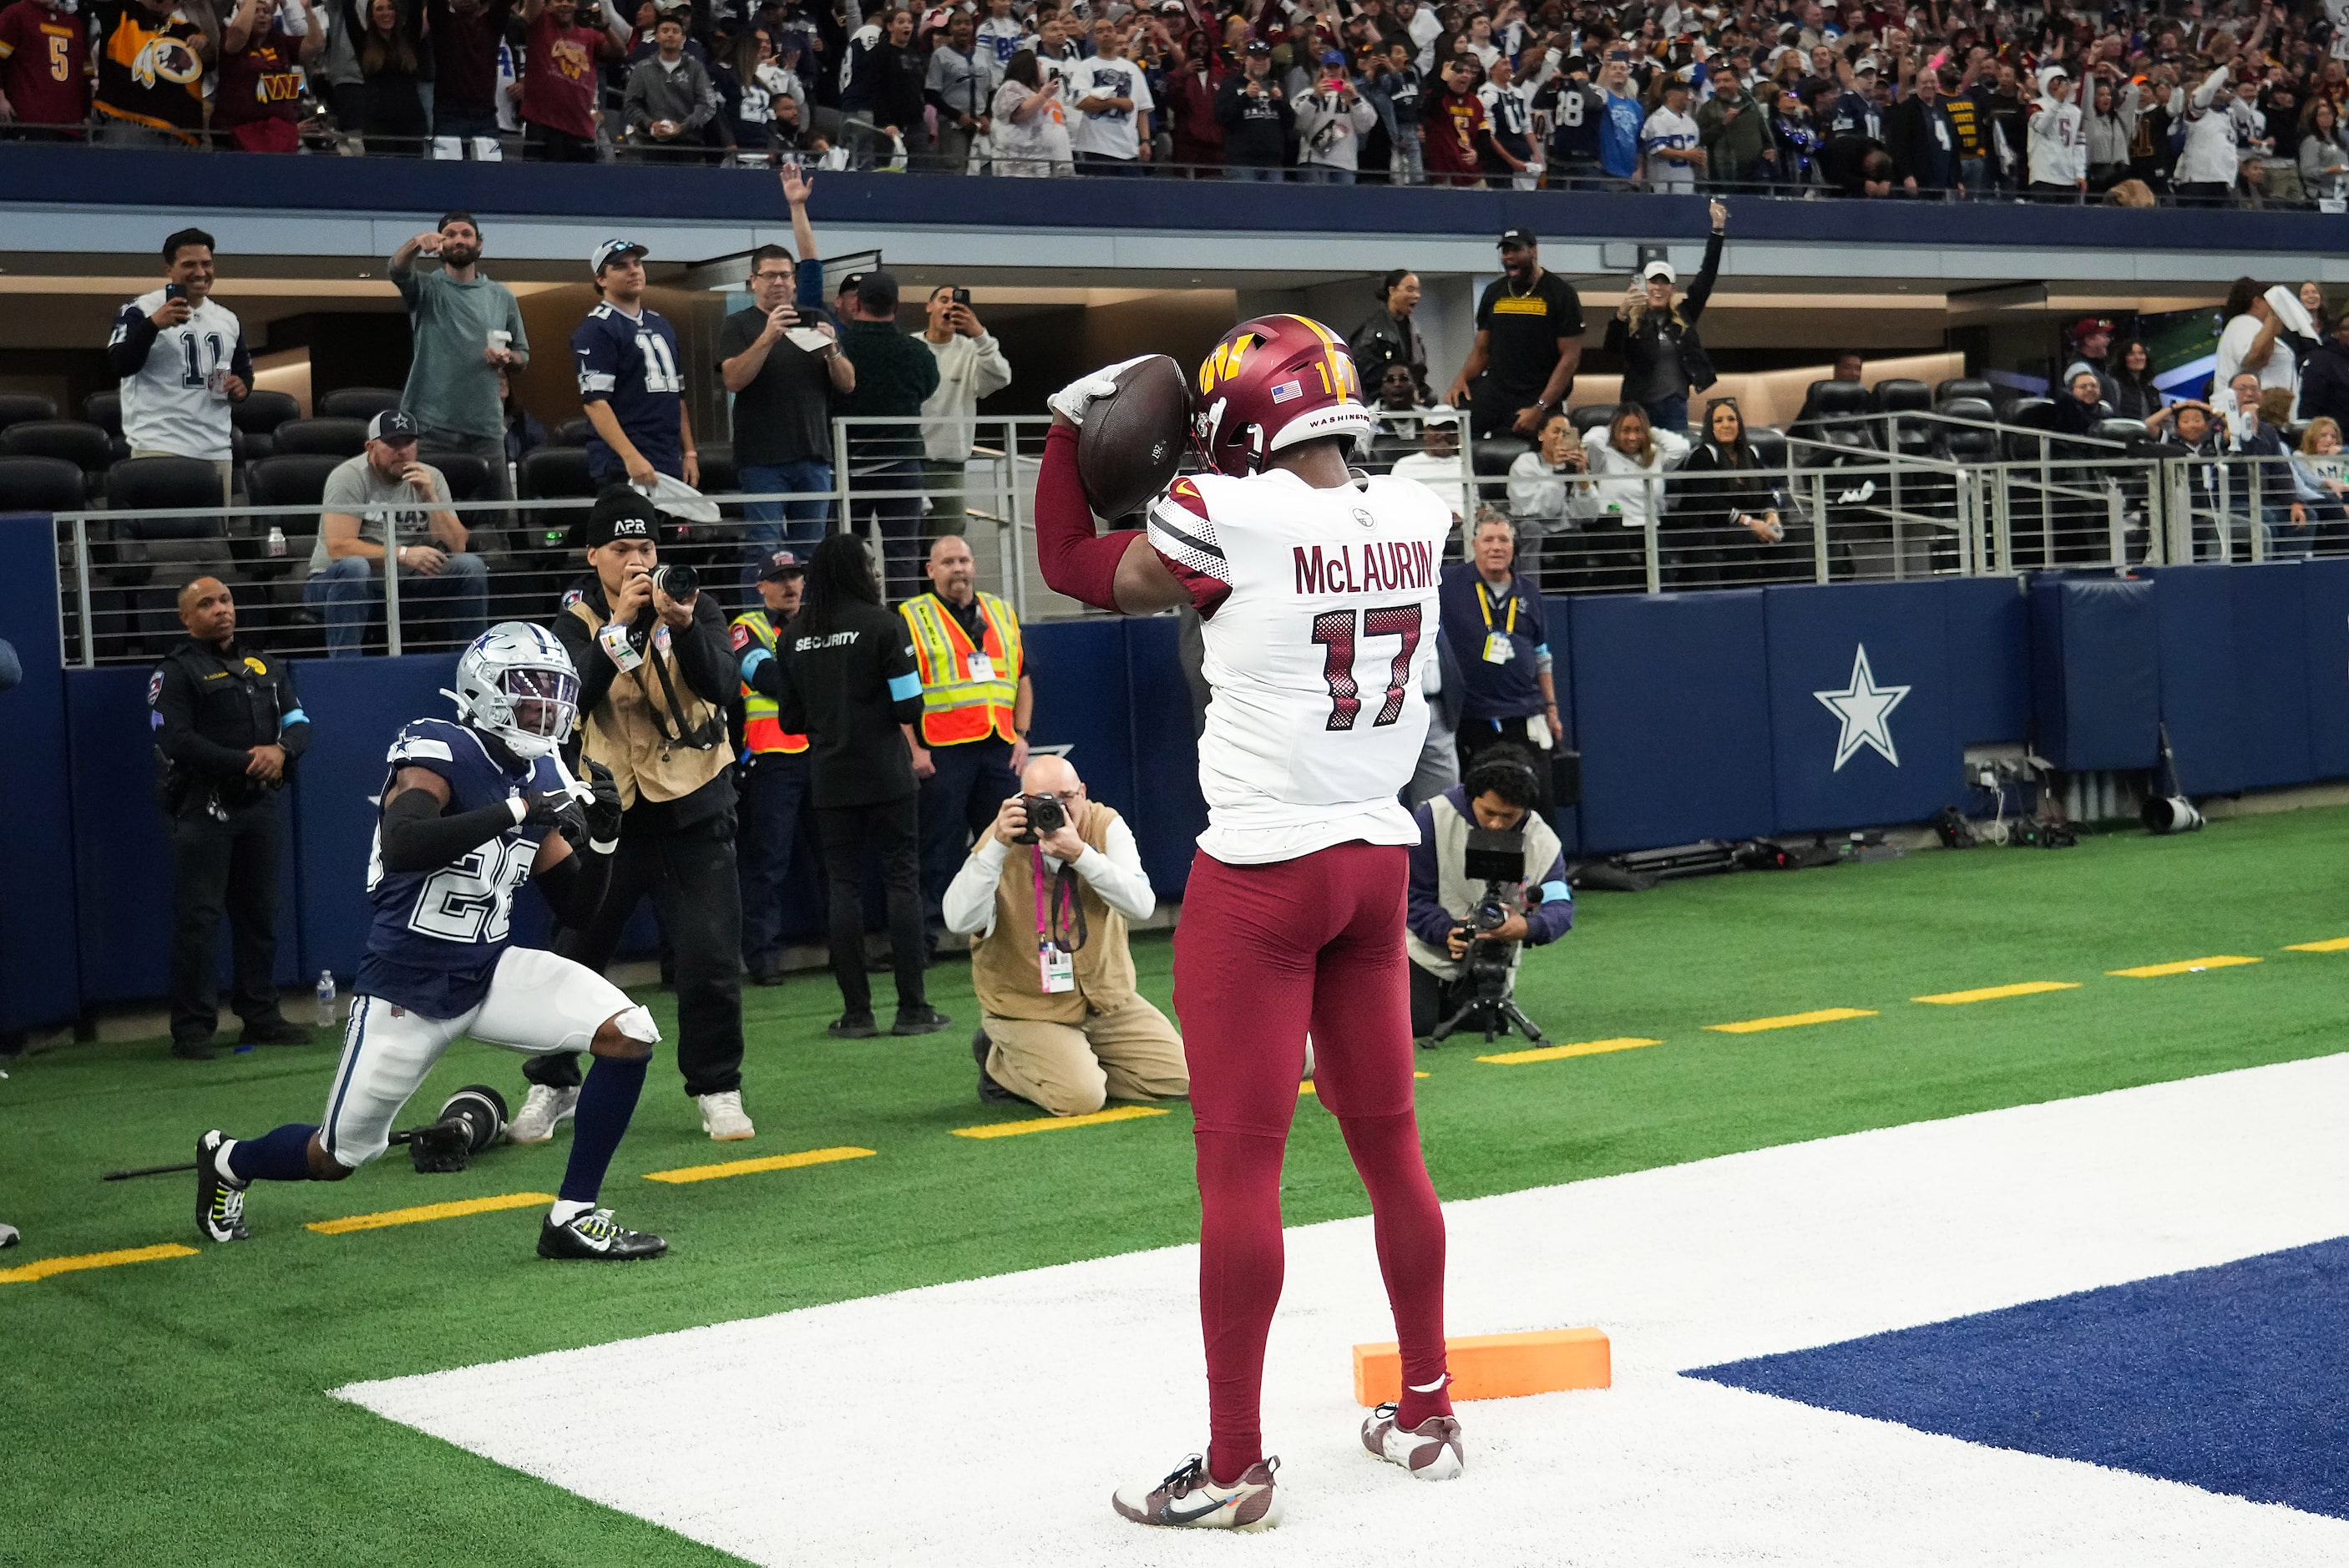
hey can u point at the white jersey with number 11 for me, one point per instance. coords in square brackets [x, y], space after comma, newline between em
[1319, 608]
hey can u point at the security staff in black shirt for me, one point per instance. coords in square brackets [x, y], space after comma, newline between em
[227, 728]
[845, 678]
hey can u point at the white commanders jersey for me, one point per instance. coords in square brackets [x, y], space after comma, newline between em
[1319, 611]
[170, 404]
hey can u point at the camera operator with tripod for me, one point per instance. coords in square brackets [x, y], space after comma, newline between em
[1472, 907]
[656, 672]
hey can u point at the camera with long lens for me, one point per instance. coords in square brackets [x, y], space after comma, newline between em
[680, 583]
[1046, 816]
[1496, 857]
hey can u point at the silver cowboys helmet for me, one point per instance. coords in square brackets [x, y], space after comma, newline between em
[517, 683]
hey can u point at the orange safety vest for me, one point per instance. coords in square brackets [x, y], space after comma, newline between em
[958, 704]
[762, 724]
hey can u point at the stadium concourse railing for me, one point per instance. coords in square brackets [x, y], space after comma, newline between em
[1864, 499]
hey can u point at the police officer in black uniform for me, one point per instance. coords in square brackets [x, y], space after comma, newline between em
[227, 727]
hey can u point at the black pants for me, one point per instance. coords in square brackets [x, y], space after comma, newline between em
[689, 876]
[1433, 999]
[544, 144]
[773, 787]
[889, 493]
[888, 828]
[1477, 736]
[226, 862]
[958, 803]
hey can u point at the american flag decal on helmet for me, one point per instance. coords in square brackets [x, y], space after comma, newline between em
[1287, 390]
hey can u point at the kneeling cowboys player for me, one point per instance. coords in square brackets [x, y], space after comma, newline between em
[469, 812]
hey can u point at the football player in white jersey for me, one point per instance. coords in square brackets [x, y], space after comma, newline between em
[1317, 587]
[181, 358]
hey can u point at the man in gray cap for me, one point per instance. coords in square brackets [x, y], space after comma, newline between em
[383, 506]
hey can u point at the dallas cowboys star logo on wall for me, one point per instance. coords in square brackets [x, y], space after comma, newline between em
[1863, 708]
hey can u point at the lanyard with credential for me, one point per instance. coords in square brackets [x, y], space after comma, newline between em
[1498, 649]
[1055, 959]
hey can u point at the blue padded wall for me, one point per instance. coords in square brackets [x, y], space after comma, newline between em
[2095, 678]
[39, 977]
[1672, 712]
[1817, 634]
[2324, 611]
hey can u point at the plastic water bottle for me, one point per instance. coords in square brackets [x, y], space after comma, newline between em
[276, 542]
[325, 998]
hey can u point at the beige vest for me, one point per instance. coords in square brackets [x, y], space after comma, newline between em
[621, 735]
[1003, 964]
[1455, 892]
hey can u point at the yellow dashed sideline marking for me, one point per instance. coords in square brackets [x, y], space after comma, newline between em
[1055, 1123]
[428, 1212]
[29, 1273]
[1307, 1086]
[752, 1167]
[1559, 1053]
[1792, 1020]
[1993, 993]
[2183, 966]
[2337, 944]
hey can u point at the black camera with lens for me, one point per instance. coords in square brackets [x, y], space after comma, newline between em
[1046, 816]
[680, 583]
[1496, 857]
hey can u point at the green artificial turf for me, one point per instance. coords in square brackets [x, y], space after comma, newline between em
[174, 1411]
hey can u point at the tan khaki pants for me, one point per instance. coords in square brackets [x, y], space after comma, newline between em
[1130, 1052]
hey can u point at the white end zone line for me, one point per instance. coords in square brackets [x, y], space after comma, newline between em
[987, 1422]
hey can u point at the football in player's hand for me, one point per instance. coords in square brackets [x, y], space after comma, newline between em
[1131, 443]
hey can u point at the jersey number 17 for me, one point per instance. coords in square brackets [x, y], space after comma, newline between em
[1339, 631]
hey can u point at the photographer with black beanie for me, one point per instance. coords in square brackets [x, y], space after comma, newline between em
[844, 675]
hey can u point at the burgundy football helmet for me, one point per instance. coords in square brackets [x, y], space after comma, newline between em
[1272, 383]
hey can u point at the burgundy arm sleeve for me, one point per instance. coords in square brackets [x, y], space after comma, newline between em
[1073, 561]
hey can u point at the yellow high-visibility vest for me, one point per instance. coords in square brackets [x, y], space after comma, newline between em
[762, 724]
[956, 706]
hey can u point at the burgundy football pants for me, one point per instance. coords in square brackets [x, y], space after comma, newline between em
[1264, 953]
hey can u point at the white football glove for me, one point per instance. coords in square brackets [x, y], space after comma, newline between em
[1069, 402]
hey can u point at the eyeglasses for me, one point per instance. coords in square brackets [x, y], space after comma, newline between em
[1065, 797]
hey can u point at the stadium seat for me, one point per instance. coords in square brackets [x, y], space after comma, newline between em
[104, 409]
[338, 436]
[155, 557]
[468, 476]
[20, 408]
[573, 433]
[84, 446]
[256, 420]
[357, 402]
[1769, 445]
[554, 473]
[1964, 387]
[1591, 416]
[2027, 414]
[1896, 394]
[1966, 443]
[2123, 430]
[719, 475]
[41, 484]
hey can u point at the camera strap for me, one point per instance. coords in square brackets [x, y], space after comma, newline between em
[1056, 957]
[704, 735]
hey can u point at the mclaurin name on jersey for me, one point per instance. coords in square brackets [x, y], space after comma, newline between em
[1373, 566]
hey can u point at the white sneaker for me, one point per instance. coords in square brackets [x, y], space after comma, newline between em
[722, 1118]
[541, 1110]
[1191, 1499]
[1431, 1451]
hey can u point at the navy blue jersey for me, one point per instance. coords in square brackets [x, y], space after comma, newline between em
[632, 364]
[437, 935]
[1575, 118]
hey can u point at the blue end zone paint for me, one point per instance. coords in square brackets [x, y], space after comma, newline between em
[2233, 1378]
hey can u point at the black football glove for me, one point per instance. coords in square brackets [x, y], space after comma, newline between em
[601, 810]
[556, 809]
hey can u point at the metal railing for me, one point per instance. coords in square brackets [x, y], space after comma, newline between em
[1844, 512]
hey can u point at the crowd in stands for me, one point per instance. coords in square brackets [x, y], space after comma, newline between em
[2210, 103]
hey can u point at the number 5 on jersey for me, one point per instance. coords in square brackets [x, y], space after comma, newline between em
[1339, 632]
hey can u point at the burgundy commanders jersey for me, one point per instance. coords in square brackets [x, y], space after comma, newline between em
[1319, 611]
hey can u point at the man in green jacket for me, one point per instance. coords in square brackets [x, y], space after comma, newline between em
[466, 329]
[895, 374]
[1732, 126]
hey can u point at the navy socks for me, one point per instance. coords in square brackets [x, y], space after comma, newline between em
[280, 1156]
[607, 1100]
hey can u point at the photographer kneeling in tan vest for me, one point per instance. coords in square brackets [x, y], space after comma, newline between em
[1061, 1024]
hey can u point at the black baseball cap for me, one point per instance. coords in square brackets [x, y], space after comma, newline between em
[877, 292]
[1518, 240]
[1256, 46]
[783, 563]
[622, 512]
[391, 425]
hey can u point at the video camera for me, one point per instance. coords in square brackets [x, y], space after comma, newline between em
[1496, 857]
